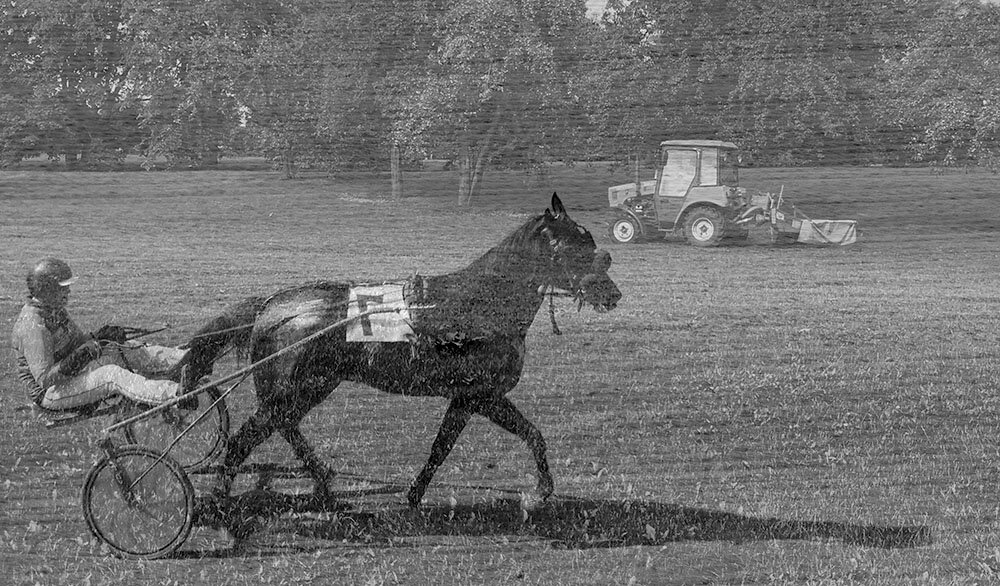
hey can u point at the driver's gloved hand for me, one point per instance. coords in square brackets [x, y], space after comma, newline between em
[111, 333]
[80, 357]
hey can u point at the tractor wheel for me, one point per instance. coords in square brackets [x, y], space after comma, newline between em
[624, 230]
[704, 226]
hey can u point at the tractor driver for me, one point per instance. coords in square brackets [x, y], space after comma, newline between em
[65, 368]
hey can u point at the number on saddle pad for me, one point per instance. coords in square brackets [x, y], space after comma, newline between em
[391, 325]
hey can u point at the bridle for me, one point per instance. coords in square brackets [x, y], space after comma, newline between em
[558, 265]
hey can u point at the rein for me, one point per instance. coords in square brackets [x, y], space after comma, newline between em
[551, 291]
[245, 371]
[133, 333]
[602, 260]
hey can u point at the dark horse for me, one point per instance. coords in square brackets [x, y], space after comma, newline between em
[466, 344]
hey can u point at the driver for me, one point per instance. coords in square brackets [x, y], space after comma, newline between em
[65, 368]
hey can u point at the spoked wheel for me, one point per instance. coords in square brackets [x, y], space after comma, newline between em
[196, 447]
[139, 502]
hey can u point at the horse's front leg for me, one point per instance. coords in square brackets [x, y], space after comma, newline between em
[455, 420]
[503, 413]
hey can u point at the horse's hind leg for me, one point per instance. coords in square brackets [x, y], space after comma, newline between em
[503, 413]
[317, 469]
[455, 420]
[251, 434]
[294, 406]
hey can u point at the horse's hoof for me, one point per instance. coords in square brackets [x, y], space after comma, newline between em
[241, 529]
[326, 501]
[321, 492]
[207, 514]
[218, 496]
[413, 498]
[531, 502]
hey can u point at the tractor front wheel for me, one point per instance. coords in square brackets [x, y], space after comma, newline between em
[624, 230]
[704, 226]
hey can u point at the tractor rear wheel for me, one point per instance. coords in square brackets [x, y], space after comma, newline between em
[624, 230]
[704, 226]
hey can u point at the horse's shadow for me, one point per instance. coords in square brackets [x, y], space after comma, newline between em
[565, 521]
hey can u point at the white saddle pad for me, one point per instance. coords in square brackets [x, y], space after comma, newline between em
[386, 326]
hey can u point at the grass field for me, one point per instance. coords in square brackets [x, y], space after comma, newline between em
[748, 415]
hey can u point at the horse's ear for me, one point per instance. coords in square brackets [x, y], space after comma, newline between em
[557, 206]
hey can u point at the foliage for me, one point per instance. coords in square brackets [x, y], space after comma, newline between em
[784, 79]
[792, 63]
[383, 46]
[631, 83]
[278, 87]
[520, 83]
[946, 81]
[496, 86]
[62, 81]
[183, 57]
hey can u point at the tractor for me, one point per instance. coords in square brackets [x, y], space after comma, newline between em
[695, 193]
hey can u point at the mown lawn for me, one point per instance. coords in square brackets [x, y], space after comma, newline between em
[749, 414]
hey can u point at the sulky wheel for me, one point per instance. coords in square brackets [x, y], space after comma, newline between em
[624, 230]
[139, 502]
[704, 226]
[197, 446]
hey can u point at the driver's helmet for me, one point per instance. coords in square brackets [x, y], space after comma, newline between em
[48, 275]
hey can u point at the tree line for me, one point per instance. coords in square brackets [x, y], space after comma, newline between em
[514, 83]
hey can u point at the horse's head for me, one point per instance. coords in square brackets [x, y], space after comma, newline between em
[577, 265]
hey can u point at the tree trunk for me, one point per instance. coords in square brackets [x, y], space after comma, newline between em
[396, 171]
[464, 169]
[479, 168]
[471, 166]
[288, 162]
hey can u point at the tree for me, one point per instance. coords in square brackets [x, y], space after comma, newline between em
[630, 84]
[494, 88]
[945, 83]
[183, 56]
[323, 87]
[794, 87]
[280, 82]
[383, 46]
[62, 76]
[788, 80]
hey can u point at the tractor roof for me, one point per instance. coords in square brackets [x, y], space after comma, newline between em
[721, 144]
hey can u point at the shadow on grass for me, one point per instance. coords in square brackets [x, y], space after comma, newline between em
[566, 522]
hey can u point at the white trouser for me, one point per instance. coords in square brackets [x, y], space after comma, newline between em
[112, 373]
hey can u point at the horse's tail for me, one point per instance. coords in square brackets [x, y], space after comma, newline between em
[230, 330]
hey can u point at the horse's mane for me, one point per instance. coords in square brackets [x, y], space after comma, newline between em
[514, 251]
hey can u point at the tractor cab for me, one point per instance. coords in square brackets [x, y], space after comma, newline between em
[695, 192]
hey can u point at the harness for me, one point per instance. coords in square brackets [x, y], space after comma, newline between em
[559, 265]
